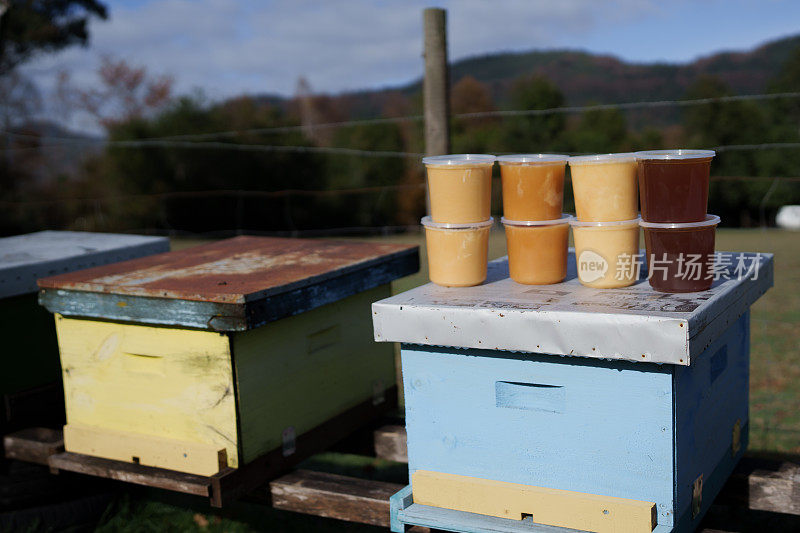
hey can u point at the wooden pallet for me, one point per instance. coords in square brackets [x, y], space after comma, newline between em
[765, 487]
[46, 446]
[760, 485]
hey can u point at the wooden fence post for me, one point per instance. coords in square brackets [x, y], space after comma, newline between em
[436, 89]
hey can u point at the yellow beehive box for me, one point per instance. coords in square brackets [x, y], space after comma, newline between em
[217, 355]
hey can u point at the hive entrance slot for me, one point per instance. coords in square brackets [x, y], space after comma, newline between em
[135, 460]
[527, 516]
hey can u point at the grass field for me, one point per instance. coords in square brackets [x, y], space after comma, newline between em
[774, 403]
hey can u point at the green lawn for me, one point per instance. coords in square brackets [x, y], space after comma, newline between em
[774, 401]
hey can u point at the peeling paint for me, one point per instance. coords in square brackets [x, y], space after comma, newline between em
[227, 271]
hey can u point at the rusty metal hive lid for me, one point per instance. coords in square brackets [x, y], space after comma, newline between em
[234, 277]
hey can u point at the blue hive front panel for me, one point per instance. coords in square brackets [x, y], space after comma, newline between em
[594, 426]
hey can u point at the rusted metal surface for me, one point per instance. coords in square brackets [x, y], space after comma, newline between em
[235, 271]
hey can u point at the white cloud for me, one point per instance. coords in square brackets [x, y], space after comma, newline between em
[228, 48]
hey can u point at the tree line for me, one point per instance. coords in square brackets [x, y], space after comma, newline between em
[167, 187]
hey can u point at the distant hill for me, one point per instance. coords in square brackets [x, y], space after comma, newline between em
[584, 77]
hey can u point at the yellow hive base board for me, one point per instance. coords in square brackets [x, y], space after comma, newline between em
[190, 457]
[554, 507]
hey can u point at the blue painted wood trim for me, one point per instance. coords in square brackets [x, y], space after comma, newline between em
[397, 502]
[143, 310]
[226, 317]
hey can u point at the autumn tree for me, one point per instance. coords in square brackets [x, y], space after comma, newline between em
[469, 95]
[410, 197]
[124, 92]
[472, 134]
[29, 28]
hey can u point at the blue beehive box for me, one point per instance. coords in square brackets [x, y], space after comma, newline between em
[529, 407]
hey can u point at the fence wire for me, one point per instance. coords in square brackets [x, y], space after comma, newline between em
[412, 118]
[482, 114]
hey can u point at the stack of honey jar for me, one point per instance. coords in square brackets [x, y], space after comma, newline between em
[606, 231]
[457, 230]
[678, 233]
[673, 187]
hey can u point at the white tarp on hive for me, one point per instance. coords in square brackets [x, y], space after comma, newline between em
[634, 323]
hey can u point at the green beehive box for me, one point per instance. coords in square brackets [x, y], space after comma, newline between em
[30, 382]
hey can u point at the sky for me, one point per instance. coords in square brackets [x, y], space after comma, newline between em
[228, 47]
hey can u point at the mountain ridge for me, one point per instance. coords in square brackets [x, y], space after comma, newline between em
[585, 77]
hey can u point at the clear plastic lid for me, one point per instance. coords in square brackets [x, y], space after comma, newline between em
[565, 218]
[600, 159]
[429, 223]
[711, 220]
[612, 223]
[675, 154]
[459, 159]
[532, 159]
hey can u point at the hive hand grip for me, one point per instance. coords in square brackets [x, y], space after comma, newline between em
[530, 396]
[143, 363]
[324, 338]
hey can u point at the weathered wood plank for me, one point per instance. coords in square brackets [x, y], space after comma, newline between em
[36, 445]
[33, 445]
[764, 484]
[145, 310]
[390, 443]
[343, 498]
[767, 487]
[131, 473]
[334, 496]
